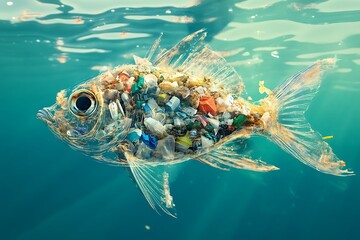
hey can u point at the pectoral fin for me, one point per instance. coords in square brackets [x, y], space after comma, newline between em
[154, 185]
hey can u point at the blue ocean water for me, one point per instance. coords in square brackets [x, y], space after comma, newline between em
[49, 191]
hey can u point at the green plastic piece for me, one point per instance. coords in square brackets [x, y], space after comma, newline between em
[209, 128]
[136, 87]
[239, 121]
[190, 126]
[197, 125]
[139, 104]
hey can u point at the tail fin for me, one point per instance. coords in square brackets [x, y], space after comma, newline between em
[286, 125]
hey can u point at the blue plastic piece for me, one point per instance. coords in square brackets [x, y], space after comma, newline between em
[147, 109]
[173, 104]
[149, 140]
[181, 115]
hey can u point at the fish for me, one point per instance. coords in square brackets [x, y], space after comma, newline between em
[186, 103]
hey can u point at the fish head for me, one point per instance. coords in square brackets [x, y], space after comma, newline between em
[84, 120]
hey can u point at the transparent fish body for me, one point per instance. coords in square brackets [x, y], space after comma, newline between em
[98, 116]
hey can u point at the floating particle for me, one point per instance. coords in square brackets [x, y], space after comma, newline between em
[327, 137]
[147, 227]
[78, 20]
[275, 54]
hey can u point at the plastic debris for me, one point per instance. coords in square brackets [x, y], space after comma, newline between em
[143, 151]
[205, 142]
[113, 110]
[189, 111]
[136, 87]
[163, 98]
[183, 143]
[151, 80]
[171, 113]
[166, 148]
[134, 135]
[327, 138]
[167, 86]
[155, 127]
[178, 122]
[149, 140]
[173, 104]
[207, 105]
[239, 121]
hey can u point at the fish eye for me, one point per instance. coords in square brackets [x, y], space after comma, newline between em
[83, 103]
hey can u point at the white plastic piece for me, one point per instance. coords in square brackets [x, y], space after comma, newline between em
[205, 142]
[229, 121]
[120, 108]
[113, 110]
[178, 122]
[229, 100]
[152, 104]
[150, 80]
[125, 97]
[189, 111]
[245, 110]
[214, 122]
[155, 127]
[200, 90]
[265, 118]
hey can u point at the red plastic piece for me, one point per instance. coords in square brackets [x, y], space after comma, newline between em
[207, 105]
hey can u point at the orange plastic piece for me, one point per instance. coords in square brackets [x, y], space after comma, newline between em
[207, 105]
[231, 128]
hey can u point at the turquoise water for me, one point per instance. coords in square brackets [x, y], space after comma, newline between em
[49, 191]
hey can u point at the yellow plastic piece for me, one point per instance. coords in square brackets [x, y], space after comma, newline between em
[184, 140]
[327, 137]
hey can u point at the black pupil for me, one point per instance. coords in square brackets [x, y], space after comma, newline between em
[83, 103]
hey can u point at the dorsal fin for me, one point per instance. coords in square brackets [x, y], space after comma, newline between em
[194, 57]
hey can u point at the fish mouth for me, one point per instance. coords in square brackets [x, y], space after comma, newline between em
[45, 115]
